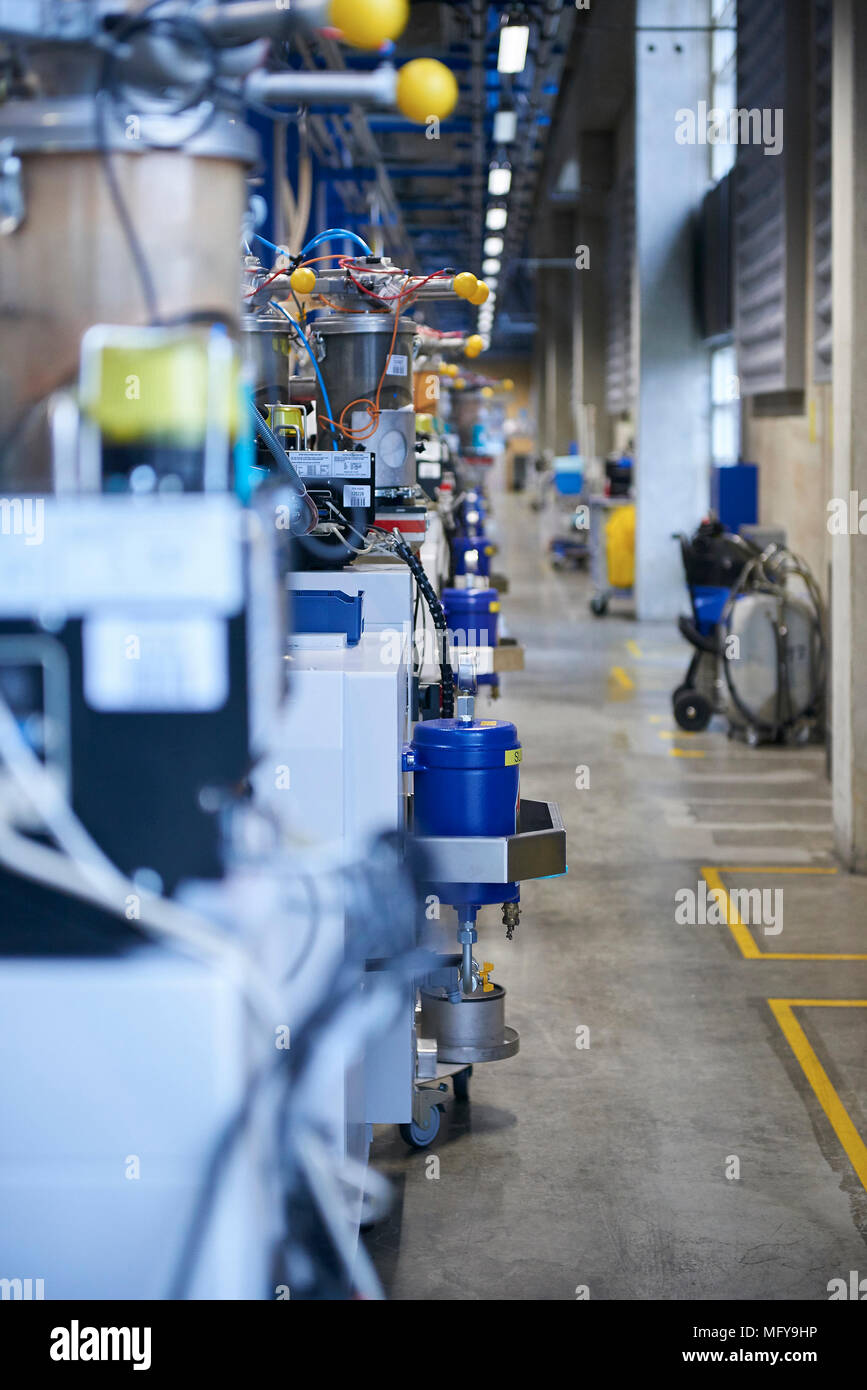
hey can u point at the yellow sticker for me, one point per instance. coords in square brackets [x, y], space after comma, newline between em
[493, 608]
[488, 723]
[513, 755]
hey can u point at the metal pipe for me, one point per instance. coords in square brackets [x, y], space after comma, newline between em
[467, 967]
[250, 19]
[377, 88]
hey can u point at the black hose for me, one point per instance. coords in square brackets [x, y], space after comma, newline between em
[438, 617]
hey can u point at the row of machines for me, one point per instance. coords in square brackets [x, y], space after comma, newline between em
[243, 843]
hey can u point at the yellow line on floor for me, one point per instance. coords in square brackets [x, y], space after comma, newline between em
[623, 680]
[782, 1009]
[633, 647]
[676, 733]
[773, 869]
[686, 753]
[743, 936]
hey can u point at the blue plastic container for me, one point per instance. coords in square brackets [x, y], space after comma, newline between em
[472, 555]
[472, 618]
[473, 513]
[709, 601]
[328, 610]
[466, 779]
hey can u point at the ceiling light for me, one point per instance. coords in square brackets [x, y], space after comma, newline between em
[499, 180]
[493, 245]
[490, 268]
[505, 127]
[514, 39]
[496, 219]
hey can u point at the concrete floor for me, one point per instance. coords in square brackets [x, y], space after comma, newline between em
[605, 1167]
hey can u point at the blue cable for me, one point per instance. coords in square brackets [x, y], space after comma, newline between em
[299, 330]
[333, 234]
[269, 244]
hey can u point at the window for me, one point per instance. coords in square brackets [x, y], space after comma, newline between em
[723, 78]
[725, 406]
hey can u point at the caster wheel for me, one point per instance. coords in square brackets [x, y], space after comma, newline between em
[416, 1136]
[461, 1084]
[598, 606]
[692, 711]
[677, 692]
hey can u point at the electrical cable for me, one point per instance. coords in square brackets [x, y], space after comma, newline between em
[84, 870]
[438, 617]
[333, 234]
[304, 342]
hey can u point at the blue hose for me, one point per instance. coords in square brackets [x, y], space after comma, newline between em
[299, 330]
[334, 234]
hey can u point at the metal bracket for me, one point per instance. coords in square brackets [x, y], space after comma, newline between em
[537, 850]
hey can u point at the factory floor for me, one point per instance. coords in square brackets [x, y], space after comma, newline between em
[683, 1153]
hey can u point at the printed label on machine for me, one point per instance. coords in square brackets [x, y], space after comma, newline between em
[155, 664]
[356, 496]
[338, 463]
[429, 470]
[397, 366]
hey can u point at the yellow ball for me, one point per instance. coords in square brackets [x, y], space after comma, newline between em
[450, 369]
[508, 384]
[302, 280]
[368, 23]
[487, 392]
[473, 345]
[426, 89]
[465, 285]
[460, 384]
[481, 293]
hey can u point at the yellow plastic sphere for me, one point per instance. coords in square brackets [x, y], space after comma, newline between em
[426, 89]
[302, 280]
[460, 384]
[481, 293]
[369, 23]
[487, 392]
[451, 369]
[465, 285]
[508, 384]
[473, 345]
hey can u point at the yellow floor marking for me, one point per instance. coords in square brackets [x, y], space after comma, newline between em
[622, 679]
[656, 718]
[686, 753]
[782, 1009]
[633, 647]
[743, 936]
[677, 733]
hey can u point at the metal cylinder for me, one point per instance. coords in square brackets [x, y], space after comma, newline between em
[357, 348]
[473, 1029]
[267, 344]
[70, 264]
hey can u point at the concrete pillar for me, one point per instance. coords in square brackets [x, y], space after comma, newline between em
[849, 552]
[589, 333]
[672, 428]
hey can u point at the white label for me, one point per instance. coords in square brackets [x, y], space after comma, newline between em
[397, 366]
[429, 470]
[356, 496]
[155, 664]
[97, 552]
[339, 463]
